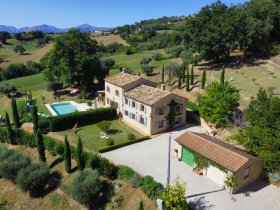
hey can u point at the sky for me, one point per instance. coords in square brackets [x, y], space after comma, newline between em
[105, 13]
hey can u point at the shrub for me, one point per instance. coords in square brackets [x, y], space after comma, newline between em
[104, 126]
[128, 51]
[3, 135]
[157, 56]
[131, 136]
[89, 103]
[64, 122]
[110, 142]
[145, 60]
[11, 163]
[107, 169]
[7, 89]
[86, 187]
[34, 178]
[136, 180]
[117, 146]
[147, 69]
[150, 187]
[125, 172]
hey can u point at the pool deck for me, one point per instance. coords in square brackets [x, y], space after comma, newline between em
[80, 107]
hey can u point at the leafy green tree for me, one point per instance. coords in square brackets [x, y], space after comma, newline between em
[19, 48]
[4, 36]
[192, 76]
[54, 86]
[147, 69]
[162, 75]
[80, 155]
[104, 126]
[262, 132]
[74, 60]
[218, 103]
[41, 146]
[187, 81]
[15, 113]
[174, 196]
[7, 89]
[203, 79]
[87, 188]
[35, 118]
[34, 178]
[222, 79]
[10, 132]
[67, 155]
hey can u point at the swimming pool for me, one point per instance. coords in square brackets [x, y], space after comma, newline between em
[63, 108]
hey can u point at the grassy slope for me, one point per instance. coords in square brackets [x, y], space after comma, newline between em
[91, 135]
[57, 199]
[32, 52]
[109, 39]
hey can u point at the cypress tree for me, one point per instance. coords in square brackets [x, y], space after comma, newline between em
[10, 132]
[184, 72]
[141, 206]
[222, 79]
[203, 79]
[15, 113]
[162, 75]
[80, 156]
[35, 118]
[188, 80]
[41, 147]
[67, 155]
[192, 76]
[169, 76]
[180, 80]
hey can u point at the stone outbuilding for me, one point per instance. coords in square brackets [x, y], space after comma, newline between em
[224, 160]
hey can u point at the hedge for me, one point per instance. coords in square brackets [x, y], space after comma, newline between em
[64, 122]
[108, 149]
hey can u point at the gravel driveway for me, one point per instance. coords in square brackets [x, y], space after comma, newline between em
[151, 158]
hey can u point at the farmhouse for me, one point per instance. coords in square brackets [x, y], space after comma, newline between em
[142, 106]
[223, 159]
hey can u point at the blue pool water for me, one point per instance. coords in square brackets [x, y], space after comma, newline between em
[63, 108]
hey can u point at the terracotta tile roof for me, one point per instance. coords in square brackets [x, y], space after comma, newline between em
[122, 79]
[216, 150]
[146, 94]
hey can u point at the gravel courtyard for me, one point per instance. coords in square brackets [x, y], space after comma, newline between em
[151, 158]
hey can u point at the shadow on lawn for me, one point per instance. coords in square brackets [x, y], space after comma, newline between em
[114, 131]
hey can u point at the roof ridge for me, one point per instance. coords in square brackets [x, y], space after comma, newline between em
[194, 133]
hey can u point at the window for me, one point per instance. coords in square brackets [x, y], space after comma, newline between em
[133, 104]
[126, 112]
[133, 116]
[126, 101]
[247, 172]
[108, 89]
[159, 124]
[142, 108]
[178, 120]
[117, 93]
[178, 108]
[142, 120]
[159, 111]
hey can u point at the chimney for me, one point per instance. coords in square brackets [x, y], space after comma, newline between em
[162, 86]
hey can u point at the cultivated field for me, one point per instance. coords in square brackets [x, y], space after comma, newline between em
[32, 52]
[109, 39]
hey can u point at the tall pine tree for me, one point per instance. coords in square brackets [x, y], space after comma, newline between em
[162, 75]
[188, 80]
[10, 132]
[15, 113]
[80, 155]
[41, 147]
[192, 76]
[184, 72]
[169, 76]
[203, 79]
[222, 79]
[35, 118]
[180, 79]
[67, 155]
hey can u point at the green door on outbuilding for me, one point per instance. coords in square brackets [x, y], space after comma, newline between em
[188, 156]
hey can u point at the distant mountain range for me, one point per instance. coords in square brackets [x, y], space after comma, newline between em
[52, 29]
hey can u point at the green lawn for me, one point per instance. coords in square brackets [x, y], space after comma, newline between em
[133, 61]
[90, 135]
